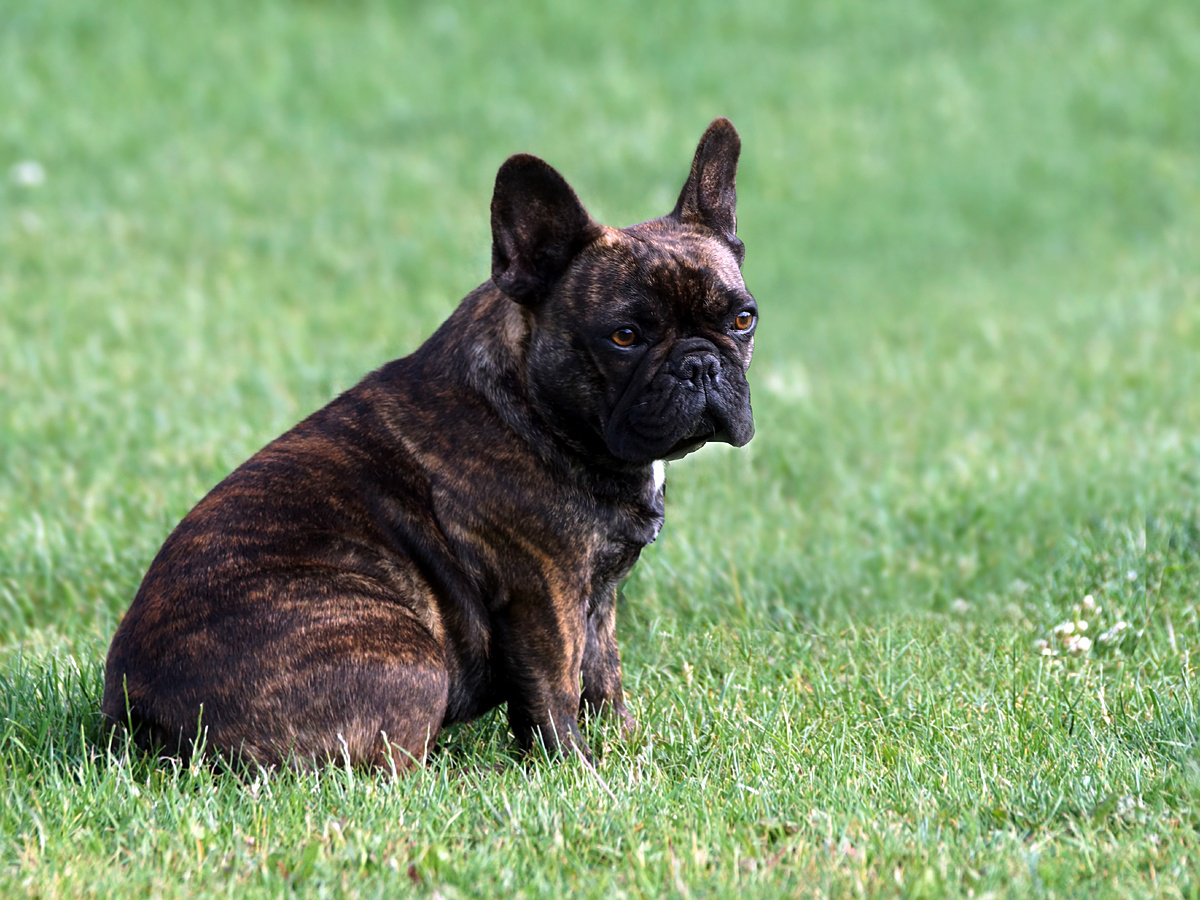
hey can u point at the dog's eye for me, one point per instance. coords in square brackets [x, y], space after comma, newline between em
[743, 320]
[623, 337]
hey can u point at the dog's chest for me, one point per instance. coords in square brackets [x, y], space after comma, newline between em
[628, 527]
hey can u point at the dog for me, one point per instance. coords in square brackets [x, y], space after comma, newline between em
[449, 535]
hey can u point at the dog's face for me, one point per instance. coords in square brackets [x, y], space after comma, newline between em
[646, 342]
[639, 337]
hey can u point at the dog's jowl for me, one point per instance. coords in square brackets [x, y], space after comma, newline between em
[449, 535]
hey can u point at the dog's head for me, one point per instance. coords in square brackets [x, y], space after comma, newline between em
[640, 337]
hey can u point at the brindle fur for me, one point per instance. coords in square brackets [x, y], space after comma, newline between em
[449, 534]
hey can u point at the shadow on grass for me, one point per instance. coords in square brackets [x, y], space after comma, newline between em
[51, 725]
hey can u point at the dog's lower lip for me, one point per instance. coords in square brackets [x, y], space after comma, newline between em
[683, 448]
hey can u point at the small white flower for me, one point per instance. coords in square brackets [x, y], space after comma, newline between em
[1078, 645]
[1081, 625]
[960, 607]
[1063, 630]
[28, 173]
[1131, 575]
[1088, 605]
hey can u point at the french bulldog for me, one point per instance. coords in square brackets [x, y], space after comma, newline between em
[449, 534]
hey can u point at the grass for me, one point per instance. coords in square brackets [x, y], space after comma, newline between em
[974, 234]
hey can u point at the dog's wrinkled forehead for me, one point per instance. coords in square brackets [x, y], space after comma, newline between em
[680, 264]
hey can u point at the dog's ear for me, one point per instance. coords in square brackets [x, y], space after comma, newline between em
[538, 226]
[709, 196]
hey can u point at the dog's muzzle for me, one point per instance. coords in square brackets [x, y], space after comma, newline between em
[695, 397]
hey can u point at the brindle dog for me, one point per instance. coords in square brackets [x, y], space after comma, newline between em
[449, 534]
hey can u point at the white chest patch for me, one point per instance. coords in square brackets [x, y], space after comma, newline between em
[658, 472]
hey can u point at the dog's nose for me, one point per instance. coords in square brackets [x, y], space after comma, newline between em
[699, 368]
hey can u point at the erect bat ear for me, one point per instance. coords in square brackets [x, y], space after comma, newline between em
[538, 226]
[709, 197]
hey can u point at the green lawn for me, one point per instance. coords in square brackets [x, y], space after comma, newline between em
[974, 234]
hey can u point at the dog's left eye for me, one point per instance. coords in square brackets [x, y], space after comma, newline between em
[623, 337]
[743, 320]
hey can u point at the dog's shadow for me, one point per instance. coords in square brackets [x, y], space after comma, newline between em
[51, 730]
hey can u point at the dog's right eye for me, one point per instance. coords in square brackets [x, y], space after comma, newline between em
[623, 337]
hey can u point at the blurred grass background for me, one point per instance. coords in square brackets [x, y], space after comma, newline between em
[973, 231]
[973, 235]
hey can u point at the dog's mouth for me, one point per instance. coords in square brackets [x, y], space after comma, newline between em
[707, 431]
[642, 434]
[683, 448]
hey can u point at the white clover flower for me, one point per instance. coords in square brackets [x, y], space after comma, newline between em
[1078, 645]
[960, 607]
[1063, 630]
[1131, 575]
[1081, 625]
[1042, 646]
[1088, 605]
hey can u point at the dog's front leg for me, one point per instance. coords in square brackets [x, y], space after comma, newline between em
[542, 644]
[602, 691]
